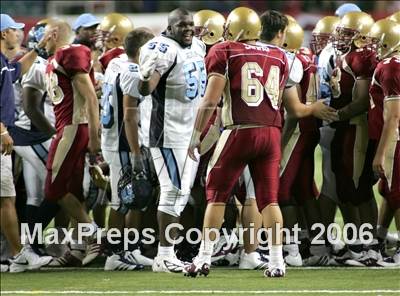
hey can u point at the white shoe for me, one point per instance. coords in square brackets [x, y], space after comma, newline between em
[393, 261]
[118, 262]
[4, 268]
[252, 260]
[167, 264]
[224, 246]
[199, 266]
[369, 258]
[273, 271]
[27, 259]
[136, 257]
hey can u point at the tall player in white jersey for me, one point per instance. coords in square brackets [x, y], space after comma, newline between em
[173, 72]
[120, 79]
[34, 125]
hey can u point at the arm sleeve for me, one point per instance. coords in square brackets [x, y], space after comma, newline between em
[295, 67]
[34, 78]
[129, 83]
[216, 60]
[166, 55]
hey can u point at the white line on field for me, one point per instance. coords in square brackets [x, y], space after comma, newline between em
[174, 292]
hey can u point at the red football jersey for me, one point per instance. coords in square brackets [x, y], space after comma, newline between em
[359, 63]
[385, 83]
[309, 85]
[69, 106]
[255, 75]
[109, 55]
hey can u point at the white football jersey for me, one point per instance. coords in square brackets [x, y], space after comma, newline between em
[177, 95]
[34, 78]
[326, 65]
[113, 133]
[295, 68]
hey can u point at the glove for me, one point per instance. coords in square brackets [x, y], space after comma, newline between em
[148, 66]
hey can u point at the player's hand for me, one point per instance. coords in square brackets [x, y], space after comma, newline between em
[335, 82]
[378, 165]
[194, 144]
[94, 145]
[6, 144]
[47, 36]
[138, 164]
[324, 112]
[148, 66]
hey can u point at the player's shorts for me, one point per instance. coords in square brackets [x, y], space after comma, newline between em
[297, 168]
[66, 162]
[392, 169]
[34, 160]
[328, 187]
[116, 160]
[352, 164]
[260, 148]
[7, 188]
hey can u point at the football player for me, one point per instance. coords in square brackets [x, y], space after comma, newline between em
[23, 258]
[85, 29]
[350, 151]
[121, 79]
[112, 31]
[69, 84]
[34, 125]
[249, 136]
[385, 114]
[172, 70]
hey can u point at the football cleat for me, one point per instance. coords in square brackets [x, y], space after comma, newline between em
[393, 261]
[3, 267]
[367, 258]
[71, 258]
[169, 264]
[291, 255]
[27, 259]
[253, 260]
[199, 266]
[136, 257]
[275, 272]
[118, 262]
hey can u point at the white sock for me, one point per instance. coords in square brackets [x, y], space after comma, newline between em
[205, 250]
[381, 232]
[166, 251]
[275, 256]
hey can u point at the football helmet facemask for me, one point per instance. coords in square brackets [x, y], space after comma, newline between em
[353, 28]
[35, 34]
[209, 26]
[242, 24]
[323, 33]
[385, 35]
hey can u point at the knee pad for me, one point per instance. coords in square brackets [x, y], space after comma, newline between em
[173, 201]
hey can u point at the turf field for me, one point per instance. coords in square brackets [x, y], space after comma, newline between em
[308, 281]
[299, 281]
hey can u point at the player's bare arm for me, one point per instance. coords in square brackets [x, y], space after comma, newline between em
[131, 116]
[360, 102]
[214, 90]
[31, 103]
[297, 109]
[6, 140]
[391, 124]
[84, 85]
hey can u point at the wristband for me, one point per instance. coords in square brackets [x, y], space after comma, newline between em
[4, 133]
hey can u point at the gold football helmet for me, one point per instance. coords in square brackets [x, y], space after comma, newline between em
[353, 28]
[294, 37]
[290, 18]
[395, 17]
[113, 29]
[323, 32]
[385, 35]
[209, 26]
[242, 24]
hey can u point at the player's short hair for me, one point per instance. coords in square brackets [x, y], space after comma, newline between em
[272, 22]
[135, 40]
